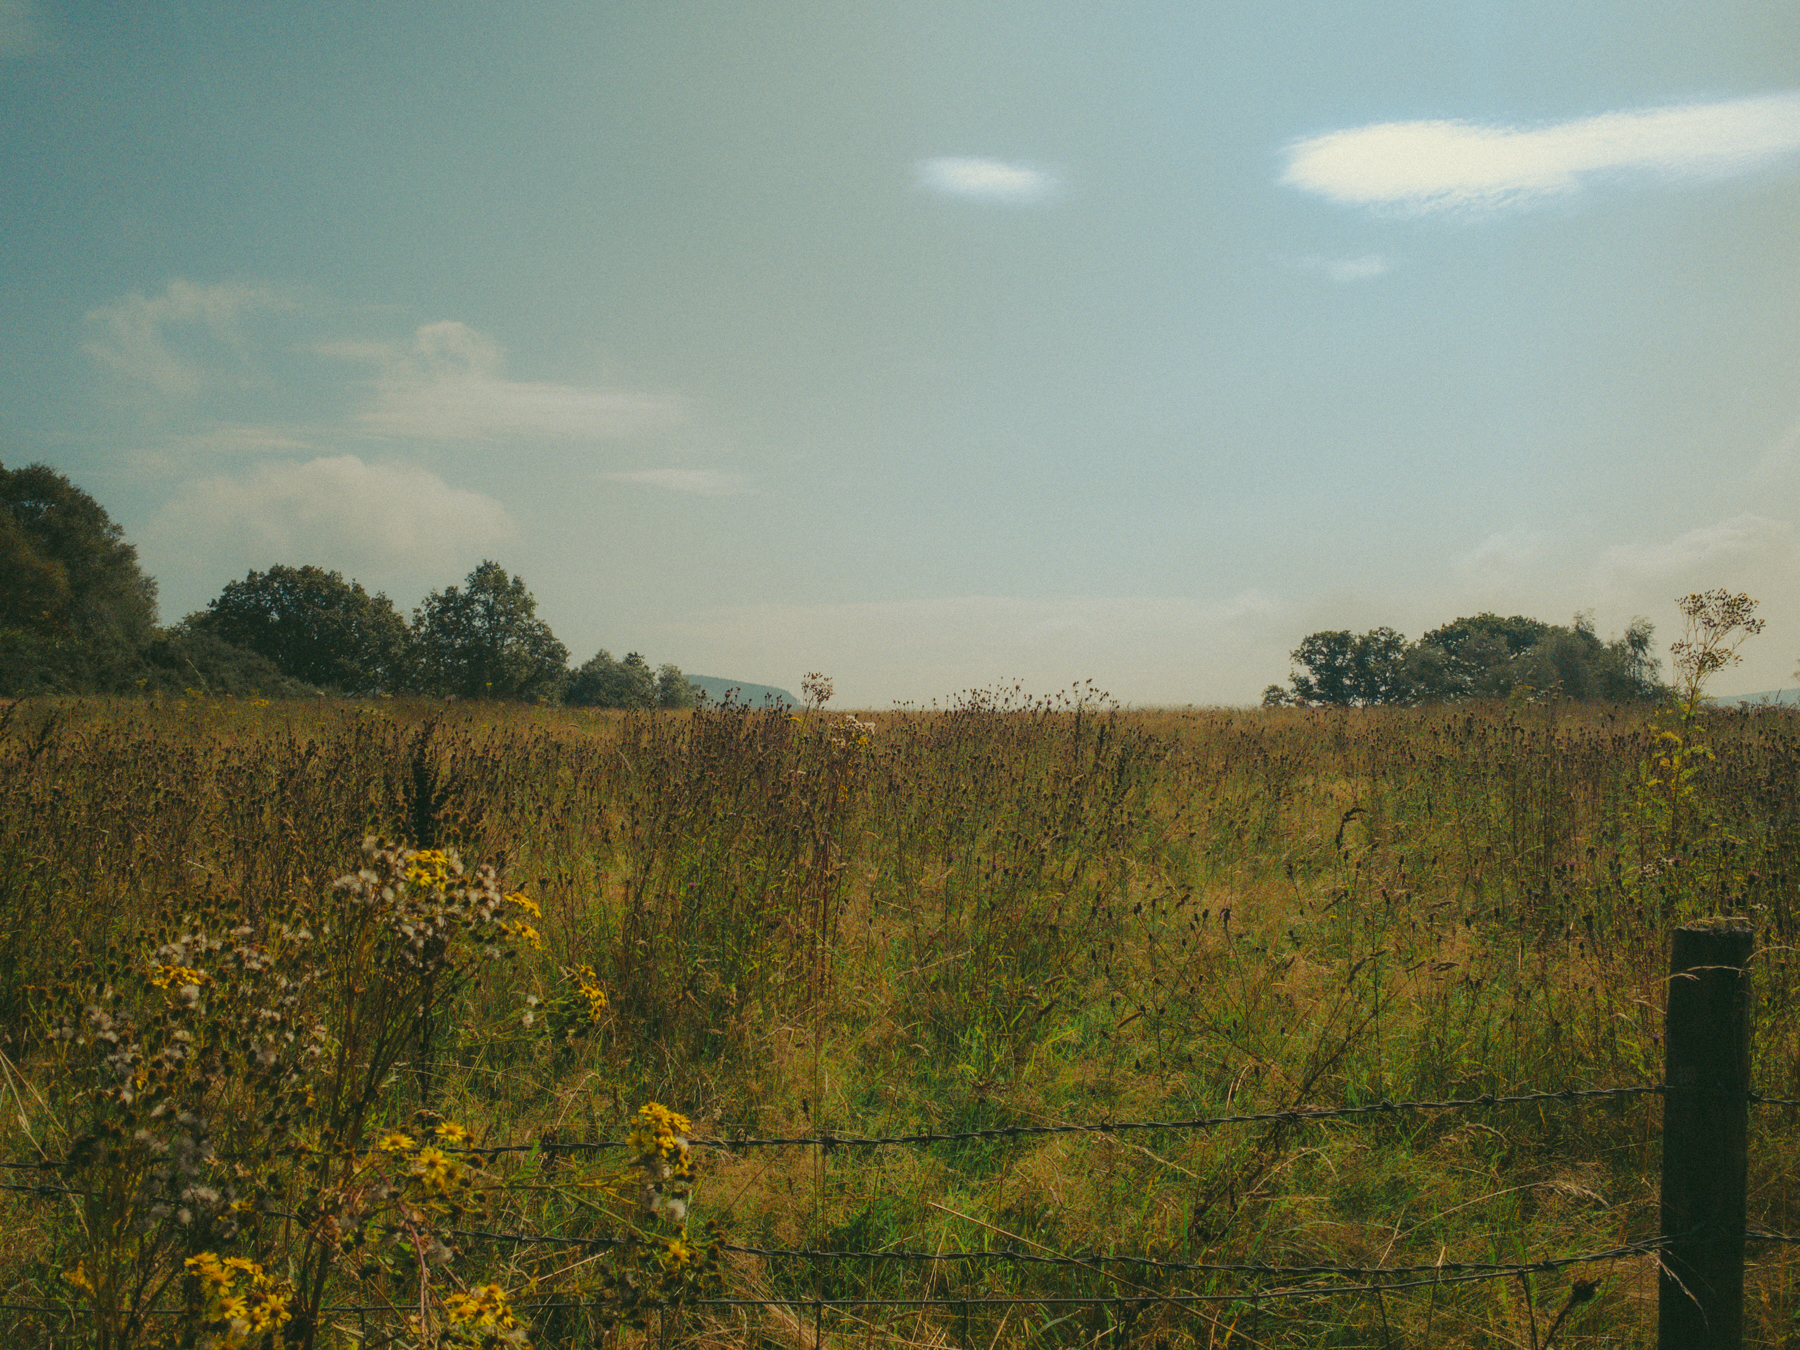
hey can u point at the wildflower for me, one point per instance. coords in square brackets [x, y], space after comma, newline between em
[483, 1306]
[660, 1132]
[396, 1142]
[587, 985]
[450, 1133]
[527, 904]
[676, 1255]
[165, 976]
[433, 1170]
[430, 868]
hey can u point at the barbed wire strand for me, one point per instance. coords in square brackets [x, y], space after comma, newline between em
[1296, 1291]
[1293, 1115]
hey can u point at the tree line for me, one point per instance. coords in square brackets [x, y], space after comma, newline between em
[1481, 657]
[78, 615]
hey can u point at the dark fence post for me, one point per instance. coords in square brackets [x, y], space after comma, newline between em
[1700, 1293]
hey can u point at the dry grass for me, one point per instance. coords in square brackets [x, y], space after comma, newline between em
[992, 915]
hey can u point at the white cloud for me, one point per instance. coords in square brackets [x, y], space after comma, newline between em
[175, 342]
[1503, 552]
[449, 383]
[336, 511]
[1694, 558]
[990, 180]
[1425, 166]
[1346, 270]
[706, 482]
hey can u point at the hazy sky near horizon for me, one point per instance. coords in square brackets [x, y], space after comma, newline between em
[929, 345]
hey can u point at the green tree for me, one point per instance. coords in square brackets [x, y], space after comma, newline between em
[1344, 669]
[1483, 656]
[673, 689]
[1475, 657]
[68, 571]
[602, 682]
[485, 640]
[314, 626]
[75, 609]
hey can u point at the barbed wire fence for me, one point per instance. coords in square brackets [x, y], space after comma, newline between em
[1704, 1229]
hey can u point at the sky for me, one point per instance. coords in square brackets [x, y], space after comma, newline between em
[931, 346]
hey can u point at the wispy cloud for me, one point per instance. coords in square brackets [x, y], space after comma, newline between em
[1502, 553]
[173, 343]
[449, 383]
[1691, 558]
[989, 180]
[1439, 165]
[1346, 270]
[336, 510]
[705, 482]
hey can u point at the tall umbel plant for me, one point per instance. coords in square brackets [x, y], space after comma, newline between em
[1689, 863]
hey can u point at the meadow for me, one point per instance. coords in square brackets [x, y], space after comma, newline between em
[307, 1008]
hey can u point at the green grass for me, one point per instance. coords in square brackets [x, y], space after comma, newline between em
[1003, 914]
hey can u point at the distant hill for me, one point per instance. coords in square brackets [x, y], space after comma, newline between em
[1787, 698]
[746, 695]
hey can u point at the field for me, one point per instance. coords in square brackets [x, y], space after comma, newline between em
[248, 1104]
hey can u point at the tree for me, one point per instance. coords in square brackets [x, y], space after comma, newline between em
[1345, 669]
[602, 682]
[314, 626]
[1484, 656]
[485, 641]
[1474, 657]
[673, 689]
[68, 572]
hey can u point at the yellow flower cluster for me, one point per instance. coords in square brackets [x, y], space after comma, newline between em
[483, 1306]
[435, 1171]
[242, 1303]
[431, 868]
[518, 927]
[659, 1141]
[587, 985]
[660, 1133]
[178, 976]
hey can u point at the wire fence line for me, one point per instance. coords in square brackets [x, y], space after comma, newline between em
[1293, 1115]
[1448, 1273]
[1371, 1279]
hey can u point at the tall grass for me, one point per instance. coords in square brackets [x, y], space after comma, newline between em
[1001, 913]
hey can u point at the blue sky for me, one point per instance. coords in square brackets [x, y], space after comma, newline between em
[928, 345]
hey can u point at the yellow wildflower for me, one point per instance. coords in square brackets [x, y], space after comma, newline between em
[396, 1142]
[434, 1170]
[587, 984]
[483, 1306]
[269, 1312]
[429, 868]
[178, 975]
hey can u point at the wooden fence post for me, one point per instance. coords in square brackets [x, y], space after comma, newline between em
[1700, 1292]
